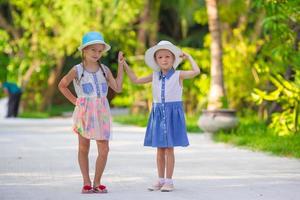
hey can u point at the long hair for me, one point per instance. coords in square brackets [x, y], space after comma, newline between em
[78, 79]
[103, 72]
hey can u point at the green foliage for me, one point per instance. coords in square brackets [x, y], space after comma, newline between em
[55, 110]
[254, 134]
[4, 47]
[38, 115]
[192, 123]
[124, 99]
[4, 37]
[280, 64]
[137, 120]
[200, 16]
[49, 31]
[230, 11]
[133, 93]
[238, 58]
[239, 51]
[287, 94]
[195, 90]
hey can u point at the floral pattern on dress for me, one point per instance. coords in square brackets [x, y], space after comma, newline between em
[92, 118]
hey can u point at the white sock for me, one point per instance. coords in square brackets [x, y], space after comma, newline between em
[161, 180]
[169, 181]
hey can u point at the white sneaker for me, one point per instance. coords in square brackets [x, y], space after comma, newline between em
[167, 187]
[156, 186]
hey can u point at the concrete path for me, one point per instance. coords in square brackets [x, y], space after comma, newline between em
[38, 161]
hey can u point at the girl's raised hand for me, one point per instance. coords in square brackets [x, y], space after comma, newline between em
[184, 55]
[121, 58]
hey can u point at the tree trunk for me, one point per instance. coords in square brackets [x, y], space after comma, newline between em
[5, 24]
[147, 32]
[35, 61]
[154, 21]
[142, 31]
[217, 91]
[290, 73]
[258, 26]
[52, 83]
[148, 25]
[243, 19]
[25, 79]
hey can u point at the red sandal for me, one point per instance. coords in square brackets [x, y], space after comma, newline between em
[100, 189]
[87, 189]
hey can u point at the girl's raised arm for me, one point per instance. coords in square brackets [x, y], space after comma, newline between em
[64, 83]
[189, 73]
[116, 84]
[134, 78]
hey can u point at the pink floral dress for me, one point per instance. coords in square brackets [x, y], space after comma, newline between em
[91, 116]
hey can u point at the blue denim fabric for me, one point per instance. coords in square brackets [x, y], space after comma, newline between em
[166, 126]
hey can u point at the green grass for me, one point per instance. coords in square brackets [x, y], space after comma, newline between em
[254, 134]
[141, 120]
[191, 124]
[55, 110]
[31, 114]
[138, 120]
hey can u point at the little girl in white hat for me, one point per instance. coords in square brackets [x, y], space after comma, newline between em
[92, 119]
[166, 126]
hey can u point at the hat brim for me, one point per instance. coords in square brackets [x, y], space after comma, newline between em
[107, 47]
[150, 60]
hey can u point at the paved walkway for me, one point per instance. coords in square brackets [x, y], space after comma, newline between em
[38, 161]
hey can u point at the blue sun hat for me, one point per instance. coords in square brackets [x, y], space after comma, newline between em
[93, 38]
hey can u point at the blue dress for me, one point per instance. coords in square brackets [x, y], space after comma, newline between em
[166, 125]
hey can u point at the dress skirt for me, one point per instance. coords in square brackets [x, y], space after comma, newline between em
[166, 126]
[92, 119]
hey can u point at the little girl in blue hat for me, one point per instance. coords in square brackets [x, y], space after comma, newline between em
[91, 116]
[166, 126]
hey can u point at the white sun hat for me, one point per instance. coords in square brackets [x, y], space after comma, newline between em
[93, 38]
[149, 55]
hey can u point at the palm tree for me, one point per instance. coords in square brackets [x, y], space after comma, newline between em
[216, 117]
[217, 91]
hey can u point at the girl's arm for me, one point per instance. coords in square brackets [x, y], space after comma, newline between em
[64, 83]
[134, 78]
[116, 84]
[189, 73]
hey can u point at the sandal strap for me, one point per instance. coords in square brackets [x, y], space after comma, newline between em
[87, 187]
[101, 187]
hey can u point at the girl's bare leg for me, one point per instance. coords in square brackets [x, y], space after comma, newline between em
[170, 162]
[160, 162]
[83, 160]
[103, 149]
